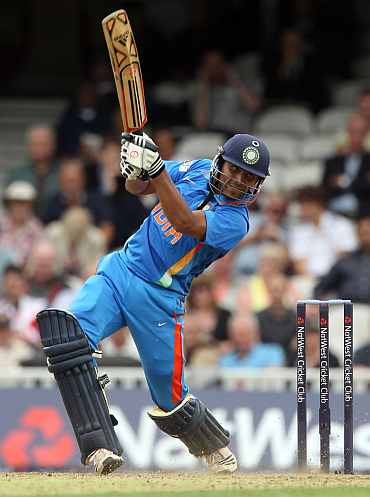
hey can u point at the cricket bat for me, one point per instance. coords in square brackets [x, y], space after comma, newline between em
[126, 69]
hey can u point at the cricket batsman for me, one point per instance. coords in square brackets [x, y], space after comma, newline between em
[202, 214]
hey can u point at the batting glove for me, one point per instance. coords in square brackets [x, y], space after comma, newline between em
[142, 153]
[130, 172]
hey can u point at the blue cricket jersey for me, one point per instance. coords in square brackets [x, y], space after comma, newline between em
[159, 254]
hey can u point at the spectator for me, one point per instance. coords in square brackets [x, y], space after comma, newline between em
[40, 167]
[47, 279]
[222, 101]
[294, 75]
[312, 336]
[346, 175]
[254, 295]
[225, 286]
[12, 349]
[270, 225]
[19, 305]
[82, 116]
[247, 351]
[320, 237]
[76, 240]
[19, 228]
[349, 277]
[200, 349]
[362, 110]
[278, 321]
[72, 182]
[211, 319]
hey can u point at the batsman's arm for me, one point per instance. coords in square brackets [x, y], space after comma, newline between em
[139, 187]
[183, 219]
[139, 153]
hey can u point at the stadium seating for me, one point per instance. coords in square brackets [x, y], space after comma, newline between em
[15, 117]
[196, 145]
[345, 94]
[333, 119]
[283, 148]
[302, 173]
[317, 147]
[292, 119]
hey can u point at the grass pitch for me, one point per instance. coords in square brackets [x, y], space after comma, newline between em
[182, 485]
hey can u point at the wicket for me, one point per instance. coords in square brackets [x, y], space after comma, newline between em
[324, 404]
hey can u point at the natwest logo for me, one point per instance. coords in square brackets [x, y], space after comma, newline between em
[40, 440]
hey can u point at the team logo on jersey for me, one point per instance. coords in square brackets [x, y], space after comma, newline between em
[250, 155]
[185, 166]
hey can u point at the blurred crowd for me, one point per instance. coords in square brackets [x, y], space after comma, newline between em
[65, 206]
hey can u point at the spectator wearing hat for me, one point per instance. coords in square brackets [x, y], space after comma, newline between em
[12, 349]
[40, 167]
[19, 228]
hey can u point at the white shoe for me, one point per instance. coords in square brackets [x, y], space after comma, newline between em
[104, 461]
[222, 461]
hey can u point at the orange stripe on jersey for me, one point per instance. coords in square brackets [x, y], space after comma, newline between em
[180, 264]
[178, 365]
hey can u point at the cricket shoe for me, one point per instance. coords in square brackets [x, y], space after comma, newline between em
[104, 461]
[222, 461]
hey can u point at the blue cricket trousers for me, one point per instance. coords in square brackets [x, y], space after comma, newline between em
[116, 297]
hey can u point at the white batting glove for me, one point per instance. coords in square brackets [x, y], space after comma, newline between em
[130, 172]
[142, 153]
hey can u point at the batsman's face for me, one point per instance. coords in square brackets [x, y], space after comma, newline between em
[236, 180]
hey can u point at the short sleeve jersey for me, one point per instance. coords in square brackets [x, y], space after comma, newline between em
[159, 254]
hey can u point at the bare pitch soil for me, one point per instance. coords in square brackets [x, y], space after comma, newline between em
[182, 485]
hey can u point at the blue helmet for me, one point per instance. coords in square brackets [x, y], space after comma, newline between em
[246, 152]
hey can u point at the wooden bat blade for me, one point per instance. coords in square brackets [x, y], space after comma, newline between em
[126, 69]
